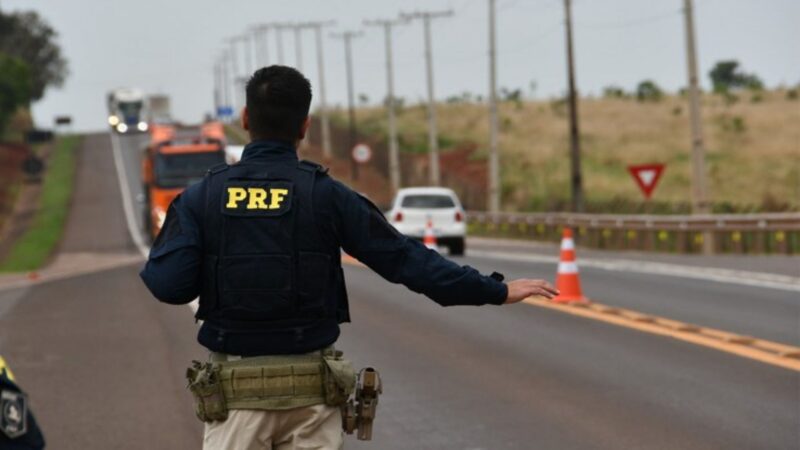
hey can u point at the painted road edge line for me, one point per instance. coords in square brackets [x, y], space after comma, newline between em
[769, 352]
[127, 206]
[773, 353]
[741, 277]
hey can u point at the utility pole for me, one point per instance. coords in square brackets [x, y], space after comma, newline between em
[323, 106]
[224, 80]
[258, 46]
[394, 151]
[574, 135]
[347, 37]
[494, 158]
[278, 27]
[298, 46]
[216, 87]
[248, 55]
[233, 57]
[261, 36]
[433, 139]
[699, 194]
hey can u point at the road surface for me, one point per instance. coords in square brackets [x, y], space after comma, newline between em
[103, 362]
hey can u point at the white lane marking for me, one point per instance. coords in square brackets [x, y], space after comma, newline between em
[741, 277]
[127, 197]
[127, 205]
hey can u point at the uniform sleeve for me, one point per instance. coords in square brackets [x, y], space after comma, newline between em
[365, 234]
[173, 270]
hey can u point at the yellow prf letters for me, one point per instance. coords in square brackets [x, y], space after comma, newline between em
[256, 197]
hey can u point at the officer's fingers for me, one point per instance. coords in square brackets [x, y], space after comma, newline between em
[548, 287]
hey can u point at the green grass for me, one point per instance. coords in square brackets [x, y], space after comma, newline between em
[37, 244]
[751, 150]
[236, 135]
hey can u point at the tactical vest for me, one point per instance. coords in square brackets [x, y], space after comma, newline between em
[267, 269]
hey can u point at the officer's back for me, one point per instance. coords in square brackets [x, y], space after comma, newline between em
[260, 243]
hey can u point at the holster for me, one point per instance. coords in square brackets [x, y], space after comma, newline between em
[206, 387]
[359, 413]
[339, 378]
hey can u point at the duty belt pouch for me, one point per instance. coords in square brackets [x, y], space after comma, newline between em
[206, 387]
[339, 379]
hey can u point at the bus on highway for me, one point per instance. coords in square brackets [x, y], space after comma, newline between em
[174, 159]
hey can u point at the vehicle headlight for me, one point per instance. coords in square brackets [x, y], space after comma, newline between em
[161, 216]
[113, 120]
[122, 127]
[142, 126]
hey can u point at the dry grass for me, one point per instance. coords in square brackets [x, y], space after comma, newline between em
[753, 147]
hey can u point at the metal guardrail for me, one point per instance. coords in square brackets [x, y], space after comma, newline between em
[728, 233]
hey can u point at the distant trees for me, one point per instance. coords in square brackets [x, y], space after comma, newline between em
[614, 91]
[726, 76]
[15, 87]
[648, 91]
[28, 37]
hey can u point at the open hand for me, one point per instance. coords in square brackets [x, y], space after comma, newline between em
[521, 289]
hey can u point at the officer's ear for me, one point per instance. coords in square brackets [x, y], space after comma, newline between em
[245, 119]
[304, 128]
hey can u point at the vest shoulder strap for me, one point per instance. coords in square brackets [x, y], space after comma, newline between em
[218, 168]
[310, 166]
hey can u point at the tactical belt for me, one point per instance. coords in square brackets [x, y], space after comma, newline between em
[272, 382]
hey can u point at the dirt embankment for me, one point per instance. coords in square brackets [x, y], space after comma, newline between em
[11, 157]
[459, 168]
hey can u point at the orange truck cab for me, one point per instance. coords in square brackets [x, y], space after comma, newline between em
[174, 159]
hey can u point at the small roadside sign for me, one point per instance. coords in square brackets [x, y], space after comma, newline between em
[224, 111]
[646, 177]
[38, 136]
[362, 153]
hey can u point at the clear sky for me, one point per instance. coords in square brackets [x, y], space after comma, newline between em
[169, 46]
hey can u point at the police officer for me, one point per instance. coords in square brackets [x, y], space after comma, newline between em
[260, 243]
[18, 428]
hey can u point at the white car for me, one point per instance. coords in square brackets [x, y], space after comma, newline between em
[413, 207]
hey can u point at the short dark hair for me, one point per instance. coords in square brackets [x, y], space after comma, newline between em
[278, 101]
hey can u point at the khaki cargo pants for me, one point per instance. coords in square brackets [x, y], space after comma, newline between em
[310, 427]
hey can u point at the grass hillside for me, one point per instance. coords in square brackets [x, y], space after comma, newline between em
[753, 148]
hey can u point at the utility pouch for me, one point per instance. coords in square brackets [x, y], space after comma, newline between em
[206, 387]
[339, 378]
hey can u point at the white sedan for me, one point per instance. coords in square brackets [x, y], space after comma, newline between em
[413, 207]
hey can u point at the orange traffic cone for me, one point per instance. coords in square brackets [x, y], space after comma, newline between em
[567, 280]
[429, 238]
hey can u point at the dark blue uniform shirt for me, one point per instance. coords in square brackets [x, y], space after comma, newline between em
[344, 217]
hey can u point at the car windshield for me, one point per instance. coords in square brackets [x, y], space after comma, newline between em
[181, 170]
[428, 201]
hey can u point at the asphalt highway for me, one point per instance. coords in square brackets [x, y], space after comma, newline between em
[103, 362]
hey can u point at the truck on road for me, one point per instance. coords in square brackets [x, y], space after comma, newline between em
[158, 109]
[127, 111]
[174, 159]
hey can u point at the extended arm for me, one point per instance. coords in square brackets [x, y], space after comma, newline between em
[366, 235]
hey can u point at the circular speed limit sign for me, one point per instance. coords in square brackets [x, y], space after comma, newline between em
[362, 153]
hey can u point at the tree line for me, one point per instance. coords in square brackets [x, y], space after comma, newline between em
[30, 62]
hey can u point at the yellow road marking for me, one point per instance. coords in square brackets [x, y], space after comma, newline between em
[768, 352]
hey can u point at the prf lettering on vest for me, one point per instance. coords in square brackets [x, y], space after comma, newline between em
[256, 197]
